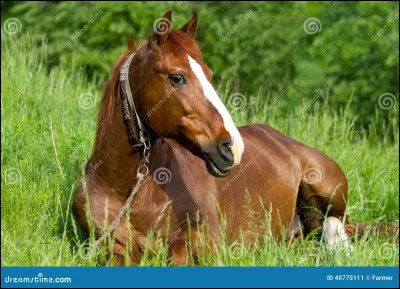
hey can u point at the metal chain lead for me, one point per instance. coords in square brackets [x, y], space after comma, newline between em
[140, 177]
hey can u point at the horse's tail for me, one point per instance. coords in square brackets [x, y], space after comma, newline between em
[380, 230]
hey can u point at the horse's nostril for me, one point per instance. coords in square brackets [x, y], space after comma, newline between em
[224, 149]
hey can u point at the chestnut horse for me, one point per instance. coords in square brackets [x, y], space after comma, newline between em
[200, 166]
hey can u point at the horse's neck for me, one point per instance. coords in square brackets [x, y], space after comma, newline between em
[113, 155]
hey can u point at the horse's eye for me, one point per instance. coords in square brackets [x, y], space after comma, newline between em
[177, 79]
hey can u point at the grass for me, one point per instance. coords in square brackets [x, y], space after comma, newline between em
[37, 227]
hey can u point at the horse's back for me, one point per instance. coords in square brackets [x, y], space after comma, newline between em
[303, 157]
[309, 165]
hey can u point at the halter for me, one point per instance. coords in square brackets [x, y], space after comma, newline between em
[143, 136]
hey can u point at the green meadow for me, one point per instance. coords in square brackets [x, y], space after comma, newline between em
[48, 115]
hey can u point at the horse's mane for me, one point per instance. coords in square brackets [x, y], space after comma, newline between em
[177, 43]
[111, 99]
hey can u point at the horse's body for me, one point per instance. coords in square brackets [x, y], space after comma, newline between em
[276, 175]
[272, 170]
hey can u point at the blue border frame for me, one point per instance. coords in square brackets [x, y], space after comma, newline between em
[200, 277]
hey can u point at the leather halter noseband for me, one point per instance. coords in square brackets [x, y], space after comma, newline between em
[142, 137]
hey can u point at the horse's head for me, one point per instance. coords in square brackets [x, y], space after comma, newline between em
[177, 100]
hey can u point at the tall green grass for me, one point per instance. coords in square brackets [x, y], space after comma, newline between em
[37, 227]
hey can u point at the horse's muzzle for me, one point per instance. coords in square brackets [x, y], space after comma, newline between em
[219, 158]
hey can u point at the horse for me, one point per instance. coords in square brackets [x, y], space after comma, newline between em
[166, 142]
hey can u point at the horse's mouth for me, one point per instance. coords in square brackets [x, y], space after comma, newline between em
[214, 170]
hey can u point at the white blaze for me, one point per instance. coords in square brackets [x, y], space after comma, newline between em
[212, 96]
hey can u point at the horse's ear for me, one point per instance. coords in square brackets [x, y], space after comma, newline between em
[190, 28]
[162, 26]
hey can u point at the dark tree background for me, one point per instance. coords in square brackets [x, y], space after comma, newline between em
[287, 51]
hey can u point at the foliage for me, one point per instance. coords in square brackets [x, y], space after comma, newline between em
[262, 45]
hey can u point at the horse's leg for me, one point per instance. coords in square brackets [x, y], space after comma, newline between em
[125, 236]
[323, 193]
[97, 197]
[180, 250]
[119, 250]
[311, 209]
[179, 253]
[335, 234]
[296, 229]
[120, 258]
